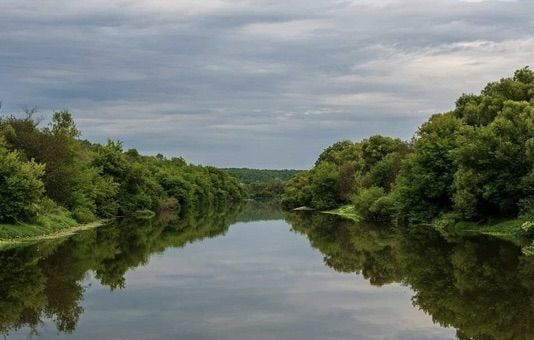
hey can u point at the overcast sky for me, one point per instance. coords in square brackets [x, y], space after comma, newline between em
[257, 83]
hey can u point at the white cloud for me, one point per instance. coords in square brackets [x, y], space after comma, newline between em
[287, 31]
[248, 75]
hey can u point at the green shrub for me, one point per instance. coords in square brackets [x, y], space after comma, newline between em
[83, 215]
[20, 186]
[373, 204]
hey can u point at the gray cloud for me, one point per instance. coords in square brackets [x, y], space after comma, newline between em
[254, 83]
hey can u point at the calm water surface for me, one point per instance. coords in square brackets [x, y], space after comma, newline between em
[305, 277]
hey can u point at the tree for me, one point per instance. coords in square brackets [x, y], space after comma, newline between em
[63, 124]
[21, 188]
[298, 192]
[373, 204]
[324, 184]
[480, 110]
[425, 183]
[493, 164]
[375, 148]
[341, 152]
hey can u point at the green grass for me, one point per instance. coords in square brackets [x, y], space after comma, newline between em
[346, 211]
[509, 230]
[53, 222]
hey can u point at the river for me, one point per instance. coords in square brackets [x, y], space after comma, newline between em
[264, 275]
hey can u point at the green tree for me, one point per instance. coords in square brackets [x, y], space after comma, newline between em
[493, 166]
[340, 153]
[297, 192]
[21, 188]
[425, 184]
[376, 148]
[373, 204]
[324, 184]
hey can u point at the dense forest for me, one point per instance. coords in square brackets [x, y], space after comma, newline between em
[50, 177]
[474, 163]
[263, 185]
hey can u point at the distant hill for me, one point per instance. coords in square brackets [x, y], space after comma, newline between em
[249, 176]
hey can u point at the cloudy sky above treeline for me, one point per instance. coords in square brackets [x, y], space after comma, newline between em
[256, 83]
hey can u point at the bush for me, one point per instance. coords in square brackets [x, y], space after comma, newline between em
[20, 186]
[324, 183]
[83, 215]
[373, 204]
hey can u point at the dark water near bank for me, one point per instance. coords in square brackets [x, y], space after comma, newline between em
[262, 275]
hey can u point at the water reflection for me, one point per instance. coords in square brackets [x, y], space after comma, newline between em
[261, 279]
[44, 280]
[260, 211]
[483, 287]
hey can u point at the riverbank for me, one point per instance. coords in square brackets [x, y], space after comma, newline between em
[345, 211]
[508, 229]
[44, 228]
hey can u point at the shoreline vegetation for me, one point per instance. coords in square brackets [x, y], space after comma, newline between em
[466, 171]
[346, 211]
[53, 181]
[508, 229]
[39, 233]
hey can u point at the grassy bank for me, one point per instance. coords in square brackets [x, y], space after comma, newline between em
[510, 229]
[57, 224]
[346, 211]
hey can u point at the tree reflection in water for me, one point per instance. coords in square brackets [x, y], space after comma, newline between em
[44, 280]
[482, 286]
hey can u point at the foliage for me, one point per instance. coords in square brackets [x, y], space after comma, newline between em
[373, 204]
[297, 192]
[50, 218]
[425, 182]
[476, 162]
[345, 168]
[493, 170]
[346, 211]
[269, 191]
[263, 185]
[21, 188]
[96, 181]
[250, 176]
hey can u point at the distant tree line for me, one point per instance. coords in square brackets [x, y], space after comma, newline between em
[46, 169]
[473, 163]
[264, 185]
[248, 176]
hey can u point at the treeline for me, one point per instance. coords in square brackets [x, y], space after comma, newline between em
[263, 185]
[50, 171]
[472, 163]
[249, 176]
